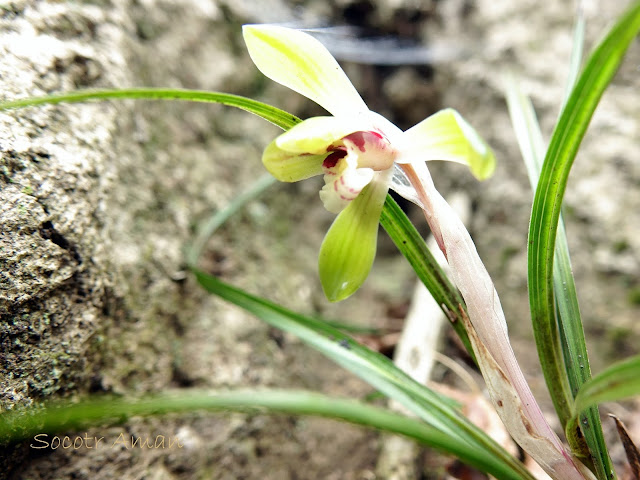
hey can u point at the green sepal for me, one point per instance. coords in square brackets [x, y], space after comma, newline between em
[291, 167]
[300, 62]
[349, 248]
[445, 135]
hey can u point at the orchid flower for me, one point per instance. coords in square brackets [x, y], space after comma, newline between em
[355, 149]
[362, 155]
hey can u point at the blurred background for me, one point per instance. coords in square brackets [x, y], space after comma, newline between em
[98, 201]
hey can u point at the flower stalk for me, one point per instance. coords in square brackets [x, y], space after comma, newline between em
[487, 328]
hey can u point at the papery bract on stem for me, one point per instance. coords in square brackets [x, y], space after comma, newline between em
[487, 328]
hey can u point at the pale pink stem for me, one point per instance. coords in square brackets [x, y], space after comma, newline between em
[487, 318]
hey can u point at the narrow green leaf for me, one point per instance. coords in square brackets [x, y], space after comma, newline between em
[527, 129]
[274, 115]
[282, 119]
[56, 418]
[208, 229]
[415, 250]
[375, 369]
[571, 351]
[564, 144]
[617, 382]
[576, 51]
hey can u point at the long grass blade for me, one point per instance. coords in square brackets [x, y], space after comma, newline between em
[25, 425]
[617, 382]
[563, 147]
[575, 61]
[208, 229]
[400, 229]
[274, 115]
[374, 368]
[415, 250]
[571, 346]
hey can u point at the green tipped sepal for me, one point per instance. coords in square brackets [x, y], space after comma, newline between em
[349, 248]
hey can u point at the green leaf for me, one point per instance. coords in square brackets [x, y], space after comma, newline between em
[349, 248]
[446, 135]
[576, 51]
[25, 424]
[571, 352]
[274, 115]
[565, 141]
[376, 370]
[617, 382]
[206, 230]
[415, 250]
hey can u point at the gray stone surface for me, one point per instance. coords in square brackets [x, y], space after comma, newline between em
[57, 167]
[98, 202]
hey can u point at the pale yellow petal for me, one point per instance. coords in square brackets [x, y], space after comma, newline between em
[445, 135]
[301, 63]
[291, 167]
[316, 134]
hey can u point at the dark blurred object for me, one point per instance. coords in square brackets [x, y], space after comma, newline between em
[349, 44]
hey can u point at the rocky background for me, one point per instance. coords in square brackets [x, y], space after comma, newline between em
[98, 202]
